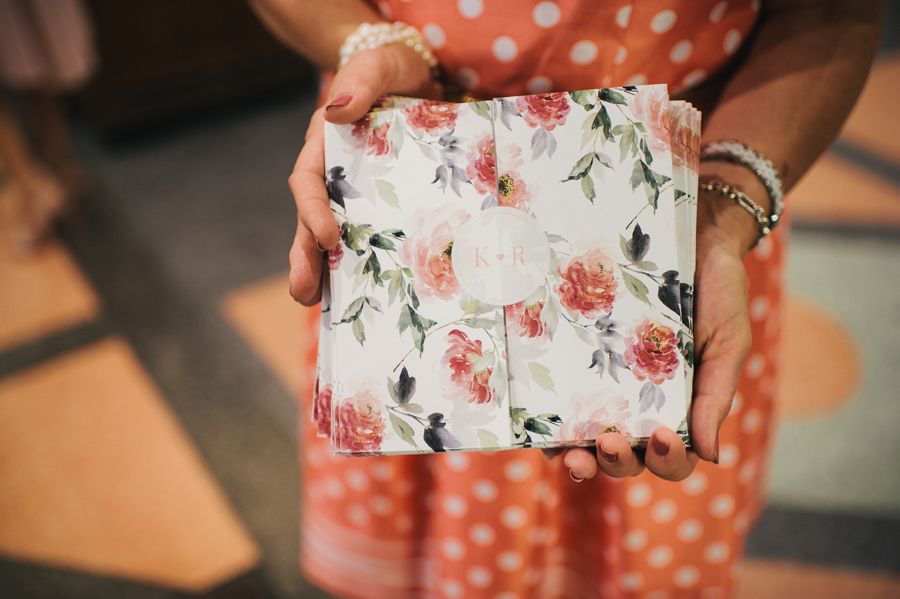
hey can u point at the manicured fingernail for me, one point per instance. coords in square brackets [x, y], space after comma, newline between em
[342, 100]
[577, 479]
[318, 245]
[716, 450]
[660, 447]
[609, 458]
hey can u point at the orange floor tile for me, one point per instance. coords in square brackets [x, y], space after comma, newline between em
[269, 321]
[41, 294]
[836, 192]
[822, 364]
[773, 580]
[98, 475]
[874, 124]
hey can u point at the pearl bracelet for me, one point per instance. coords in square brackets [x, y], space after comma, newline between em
[375, 35]
[744, 201]
[734, 151]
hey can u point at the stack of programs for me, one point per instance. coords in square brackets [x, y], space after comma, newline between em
[511, 273]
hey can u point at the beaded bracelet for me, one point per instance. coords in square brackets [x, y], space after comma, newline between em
[731, 150]
[744, 201]
[376, 35]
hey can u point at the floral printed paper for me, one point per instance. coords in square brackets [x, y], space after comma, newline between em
[513, 273]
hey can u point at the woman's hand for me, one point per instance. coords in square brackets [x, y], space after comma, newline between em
[369, 74]
[722, 341]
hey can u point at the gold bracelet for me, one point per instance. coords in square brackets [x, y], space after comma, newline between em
[744, 201]
[375, 35]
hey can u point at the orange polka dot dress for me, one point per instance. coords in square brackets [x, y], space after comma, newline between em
[511, 525]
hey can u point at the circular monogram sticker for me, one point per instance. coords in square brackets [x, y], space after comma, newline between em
[500, 256]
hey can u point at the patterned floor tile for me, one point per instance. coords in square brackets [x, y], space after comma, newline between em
[99, 476]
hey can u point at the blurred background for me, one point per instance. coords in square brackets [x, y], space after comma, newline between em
[149, 350]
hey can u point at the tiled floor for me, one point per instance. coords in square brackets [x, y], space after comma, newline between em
[147, 366]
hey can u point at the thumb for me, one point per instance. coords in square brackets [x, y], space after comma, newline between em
[369, 74]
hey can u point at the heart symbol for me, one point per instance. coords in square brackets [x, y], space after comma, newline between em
[500, 257]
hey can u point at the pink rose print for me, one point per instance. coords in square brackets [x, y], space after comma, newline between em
[544, 110]
[588, 283]
[427, 251]
[361, 426]
[525, 321]
[374, 138]
[334, 257]
[481, 170]
[652, 352]
[322, 409]
[586, 417]
[513, 192]
[432, 118]
[651, 107]
[461, 382]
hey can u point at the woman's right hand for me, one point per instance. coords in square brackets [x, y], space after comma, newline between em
[394, 69]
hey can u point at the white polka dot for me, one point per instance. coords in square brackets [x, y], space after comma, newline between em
[717, 552]
[538, 535]
[357, 514]
[639, 495]
[479, 577]
[722, 505]
[759, 308]
[509, 561]
[638, 79]
[468, 78]
[513, 517]
[631, 581]
[539, 85]
[636, 539]
[621, 55]
[607, 79]
[690, 530]
[664, 511]
[747, 473]
[695, 484]
[623, 16]
[728, 455]
[660, 556]
[686, 576]
[732, 41]
[583, 52]
[694, 78]
[356, 479]
[737, 402]
[484, 490]
[657, 595]
[452, 589]
[546, 14]
[517, 471]
[612, 515]
[718, 11]
[507, 595]
[403, 523]
[381, 505]
[663, 21]
[742, 523]
[504, 48]
[334, 488]
[540, 491]
[681, 51]
[455, 506]
[453, 548]
[471, 9]
[764, 249]
[755, 366]
[457, 462]
[434, 35]
[381, 471]
[482, 534]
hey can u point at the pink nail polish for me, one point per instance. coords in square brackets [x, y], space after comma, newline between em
[577, 479]
[609, 458]
[716, 450]
[340, 101]
[660, 447]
